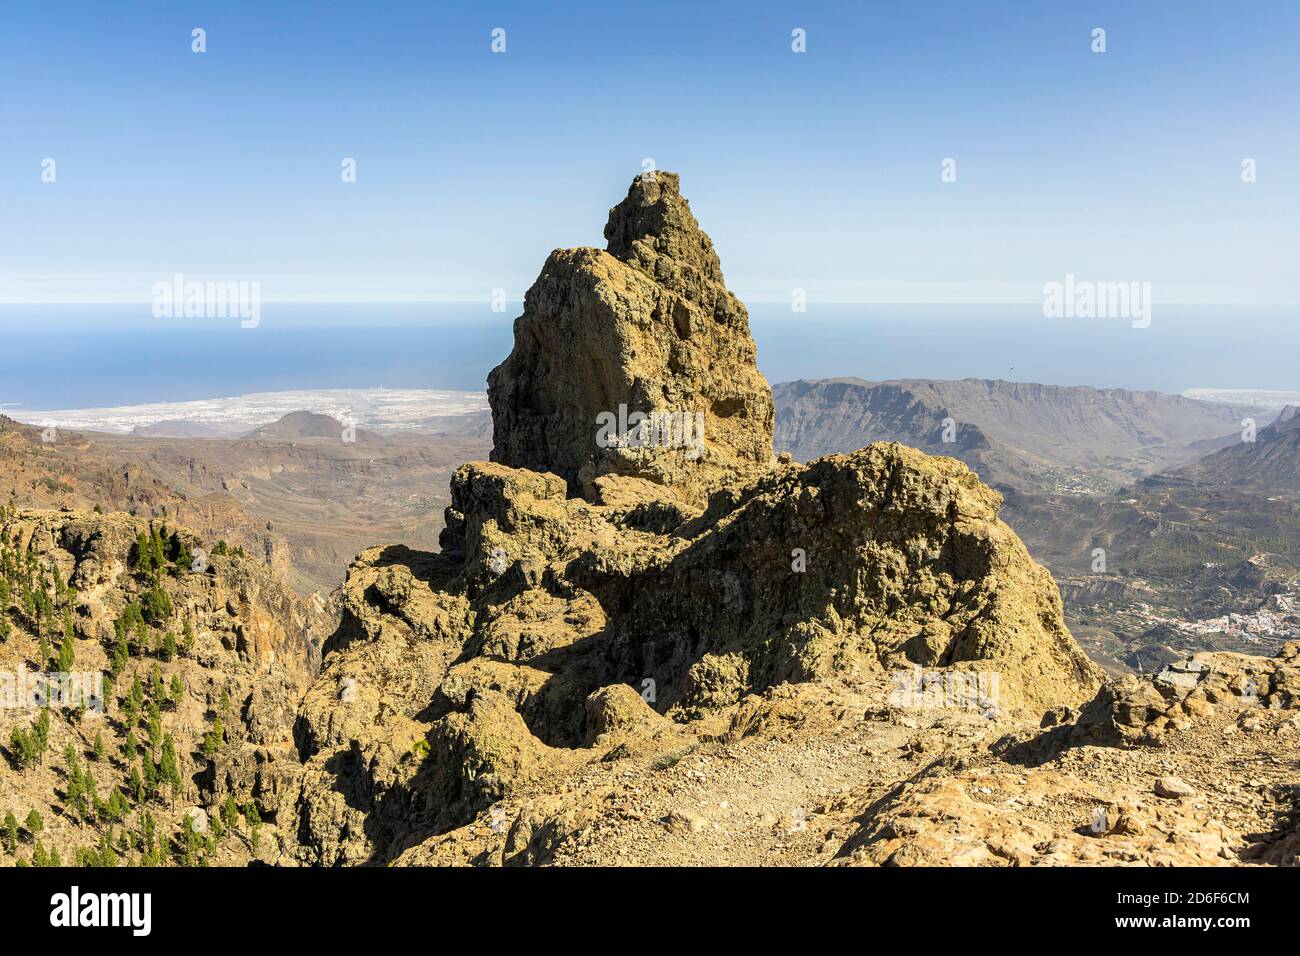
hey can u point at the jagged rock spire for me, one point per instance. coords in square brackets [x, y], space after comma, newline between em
[646, 328]
[654, 230]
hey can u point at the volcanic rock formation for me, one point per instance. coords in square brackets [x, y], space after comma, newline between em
[644, 328]
[588, 587]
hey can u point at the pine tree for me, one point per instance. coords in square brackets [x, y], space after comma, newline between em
[136, 785]
[98, 747]
[67, 654]
[159, 552]
[116, 807]
[136, 698]
[213, 739]
[230, 810]
[155, 728]
[168, 649]
[106, 856]
[187, 636]
[157, 605]
[177, 689]
[23, 744]
[191, 842]
[254, 821]
[142, 554]
[34, 823]
[150, 775]
[41, 733]
[74, 792]
[171, 771]
[181, 553]
[11, 832]
[148, 836]
[121, 646]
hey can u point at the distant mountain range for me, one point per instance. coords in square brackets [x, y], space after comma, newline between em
[1269, 463]
[1197, 503]
[1016, 435]
[1193, 522]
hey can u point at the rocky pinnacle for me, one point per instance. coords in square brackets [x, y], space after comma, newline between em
[645, 328]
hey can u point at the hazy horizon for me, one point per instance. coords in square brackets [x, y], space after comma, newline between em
[116, 355]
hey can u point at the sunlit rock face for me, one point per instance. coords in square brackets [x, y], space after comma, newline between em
[601, 582]
[635, 361]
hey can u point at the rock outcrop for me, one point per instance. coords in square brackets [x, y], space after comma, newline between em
[647, 335]
[1150, 773]
[578, 572]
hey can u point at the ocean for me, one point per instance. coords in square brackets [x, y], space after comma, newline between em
[83, 356]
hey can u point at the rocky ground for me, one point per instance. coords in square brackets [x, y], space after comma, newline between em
[841, 780]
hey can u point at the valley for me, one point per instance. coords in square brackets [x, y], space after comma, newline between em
[1130, 473]
[1166, 532]
[293, 491]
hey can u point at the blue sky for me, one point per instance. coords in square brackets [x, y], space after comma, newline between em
[818, 170]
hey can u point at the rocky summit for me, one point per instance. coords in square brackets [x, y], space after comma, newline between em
[589, 592]
[646, 334]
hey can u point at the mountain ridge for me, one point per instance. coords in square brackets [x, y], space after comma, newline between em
[1024, 436]
[1269, 463]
